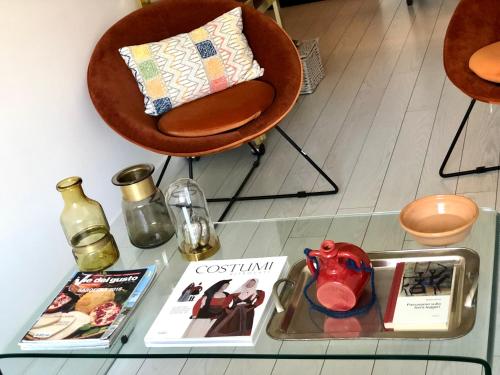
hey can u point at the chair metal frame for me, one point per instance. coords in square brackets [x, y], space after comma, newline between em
[258, 151]
[478, 170]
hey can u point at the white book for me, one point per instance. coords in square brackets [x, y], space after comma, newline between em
[425, 297]
[217, 303]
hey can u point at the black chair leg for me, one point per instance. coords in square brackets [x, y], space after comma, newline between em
[409, 2]
[321, 172]
[190, 167]
[477, 170]
[165, 165]
[259, 151]
[299, 194]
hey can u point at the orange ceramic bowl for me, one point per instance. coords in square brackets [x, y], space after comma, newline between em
[439, 220]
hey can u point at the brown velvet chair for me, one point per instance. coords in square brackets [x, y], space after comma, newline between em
[474, 24]
[115, 94]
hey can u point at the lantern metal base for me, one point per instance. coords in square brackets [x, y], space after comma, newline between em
[258, 151]
[200, 254]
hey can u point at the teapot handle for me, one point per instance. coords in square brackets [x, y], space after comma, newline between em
[311, 254]
[357, 255]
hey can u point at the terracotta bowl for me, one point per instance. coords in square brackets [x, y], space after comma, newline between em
[439, 220]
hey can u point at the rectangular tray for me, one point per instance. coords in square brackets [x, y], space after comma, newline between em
[293, 319]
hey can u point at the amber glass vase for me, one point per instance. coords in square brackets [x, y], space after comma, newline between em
[86, 228]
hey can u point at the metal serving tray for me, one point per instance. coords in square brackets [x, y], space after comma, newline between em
[295, 320]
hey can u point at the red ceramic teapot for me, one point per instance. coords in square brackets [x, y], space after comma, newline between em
[338, 286]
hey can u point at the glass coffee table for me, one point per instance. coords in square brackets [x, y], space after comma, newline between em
[259, 238]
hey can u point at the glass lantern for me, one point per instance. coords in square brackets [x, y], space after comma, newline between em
[194, 229]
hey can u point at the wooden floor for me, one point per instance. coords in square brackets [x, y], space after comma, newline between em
[379, 123]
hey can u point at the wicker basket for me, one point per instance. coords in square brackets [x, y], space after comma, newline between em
[311, 65]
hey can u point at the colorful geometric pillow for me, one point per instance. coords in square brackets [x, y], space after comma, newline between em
[189, 66]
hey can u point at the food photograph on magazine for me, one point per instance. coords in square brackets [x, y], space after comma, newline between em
[89, 311]
[219, 302]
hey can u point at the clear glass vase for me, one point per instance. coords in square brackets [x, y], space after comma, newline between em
[194, 229]
[86, 228]
[144, 209]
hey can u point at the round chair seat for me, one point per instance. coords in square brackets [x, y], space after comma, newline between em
[116, 96]
[485, 62]
[219, 112]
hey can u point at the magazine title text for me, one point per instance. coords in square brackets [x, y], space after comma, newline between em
[237, 267]
[105, 279]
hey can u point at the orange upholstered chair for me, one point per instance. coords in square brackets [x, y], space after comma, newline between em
[475, 24]
[191, 133]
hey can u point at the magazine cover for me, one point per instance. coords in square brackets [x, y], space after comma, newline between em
[89, 310]
[219, 302]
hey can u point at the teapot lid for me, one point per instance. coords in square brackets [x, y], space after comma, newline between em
[330, 249]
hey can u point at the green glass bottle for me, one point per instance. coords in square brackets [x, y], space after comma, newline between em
[86, 228]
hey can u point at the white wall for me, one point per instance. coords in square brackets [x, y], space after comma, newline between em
[49, 130]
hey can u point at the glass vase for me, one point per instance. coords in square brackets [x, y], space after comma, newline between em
[86, 228]
[144, 209]
[194, 229]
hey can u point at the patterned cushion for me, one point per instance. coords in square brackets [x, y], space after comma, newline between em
[189, 66]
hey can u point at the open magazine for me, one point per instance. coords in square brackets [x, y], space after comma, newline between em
[90, 310]
[217, 303]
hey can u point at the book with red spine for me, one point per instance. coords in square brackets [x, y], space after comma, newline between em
[393, 295]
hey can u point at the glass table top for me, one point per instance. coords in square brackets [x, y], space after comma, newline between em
[260, 238]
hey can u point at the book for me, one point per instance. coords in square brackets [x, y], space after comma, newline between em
[420, 297]
[217, 303]
[90, 310]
